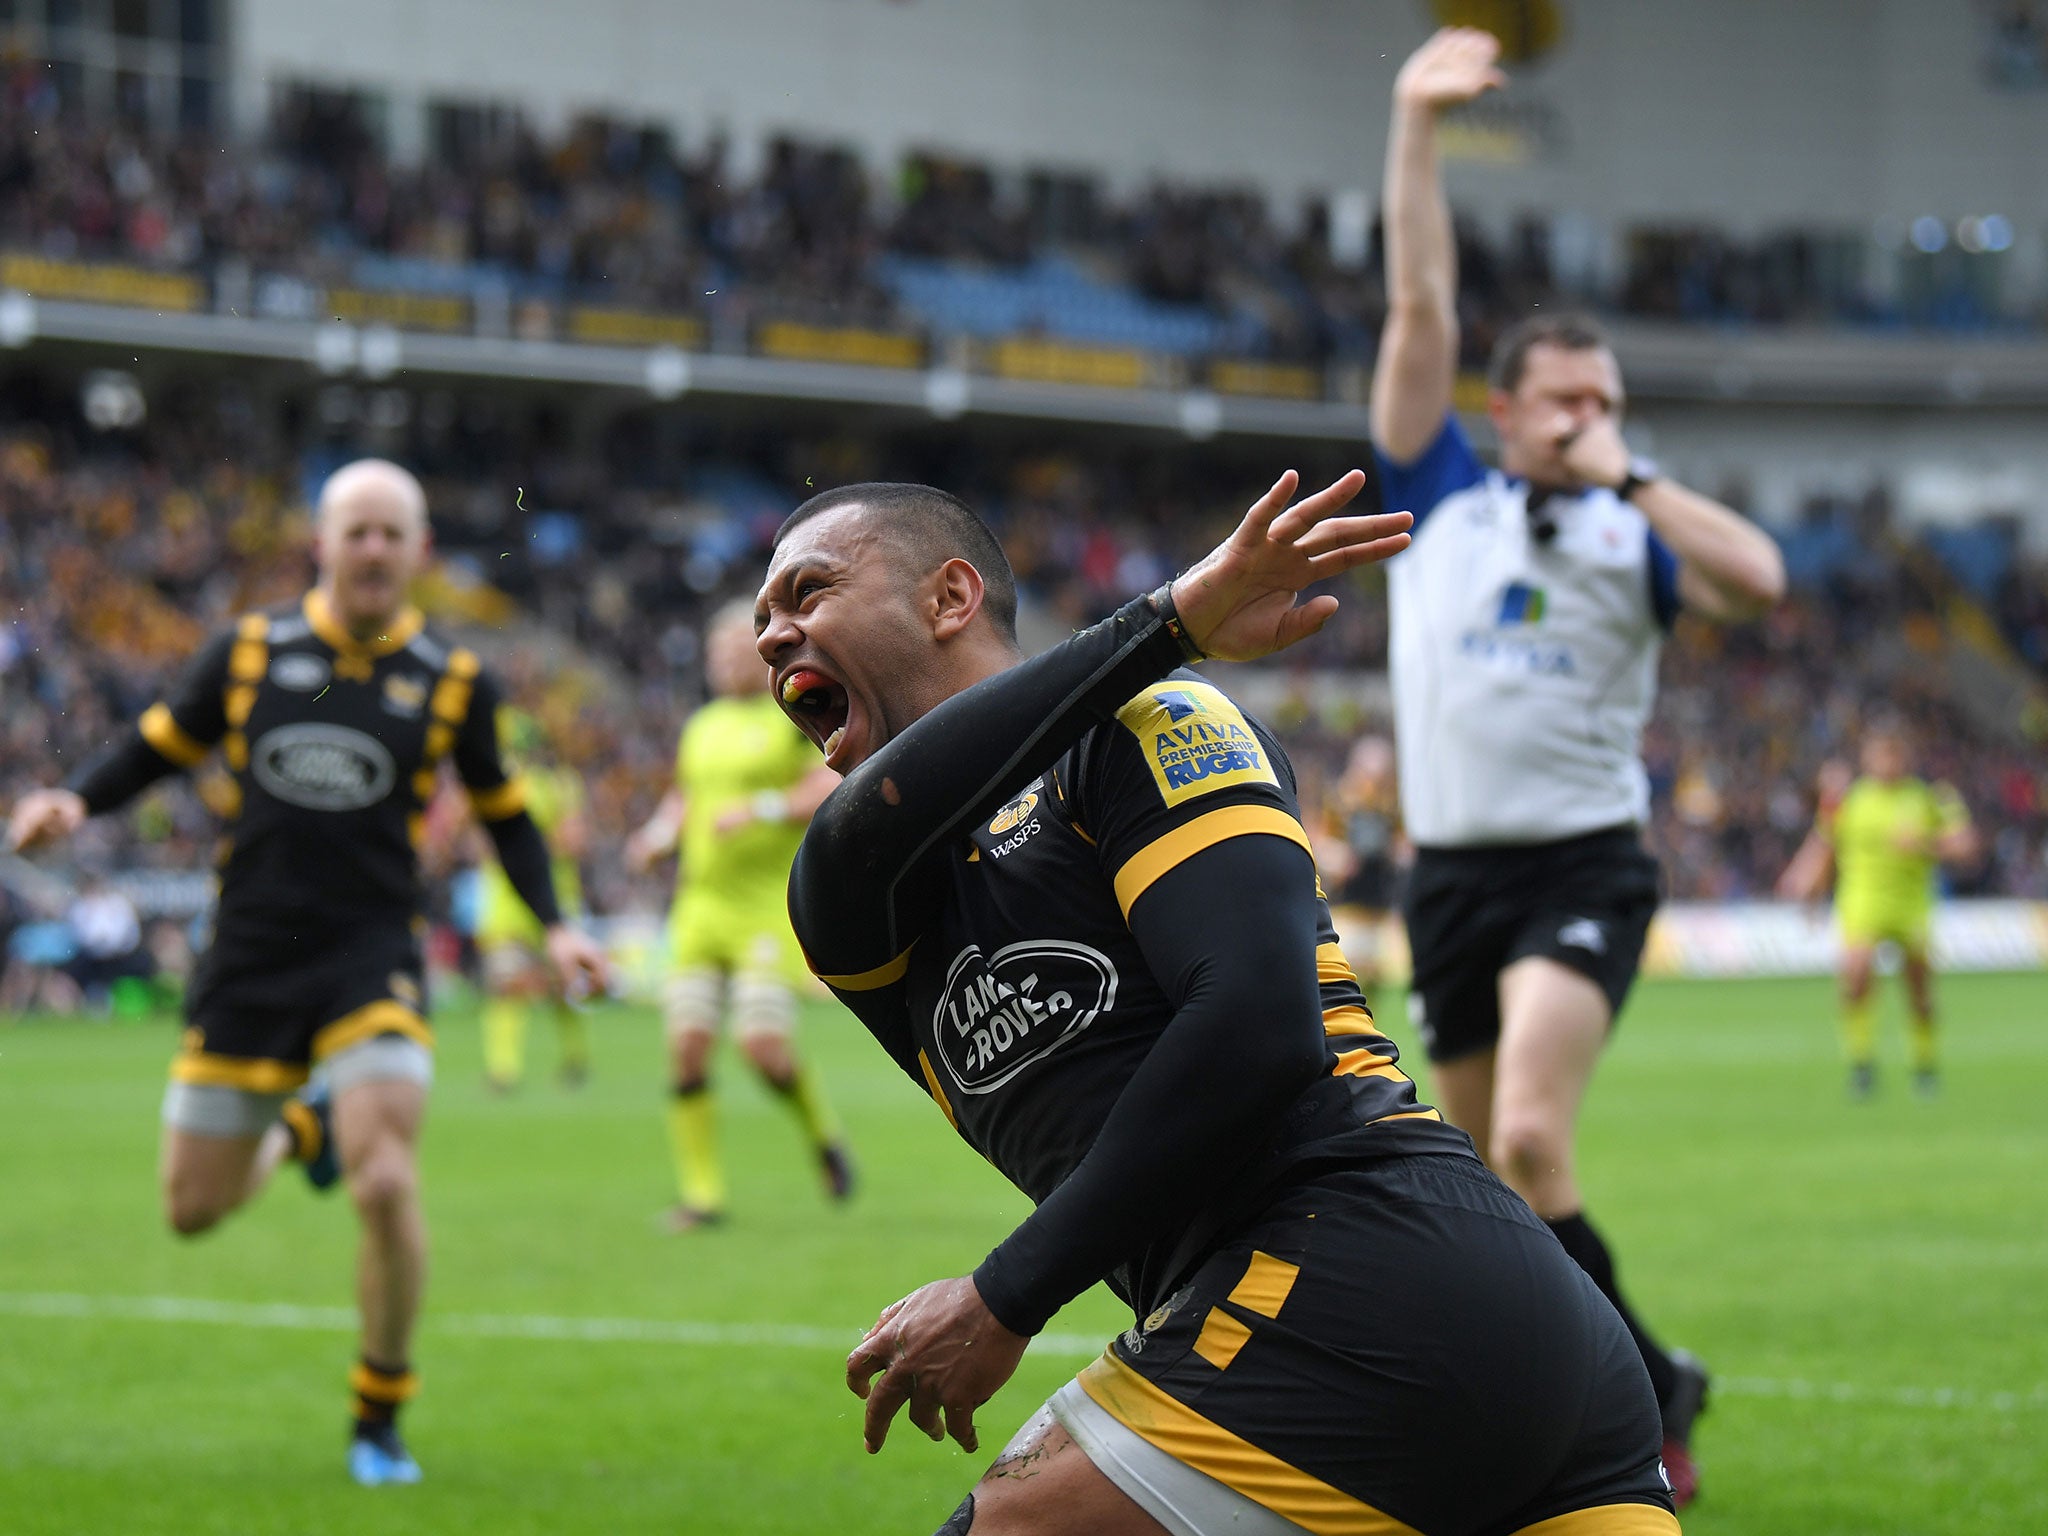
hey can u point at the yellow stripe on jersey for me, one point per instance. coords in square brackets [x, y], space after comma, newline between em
[169, 739]
[1185, 841]
[1349, 1020]
[869, 981]
[501, 800]
[1366, 1062]
[1232, 1460]
[1332, 966]
[1222, 1336]
[931, 1081]
[1265, 1286]
[248, 659]
[1608, 1520]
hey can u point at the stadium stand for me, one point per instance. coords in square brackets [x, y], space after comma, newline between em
[496, 221]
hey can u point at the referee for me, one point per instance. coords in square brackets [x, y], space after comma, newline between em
[1526, 622]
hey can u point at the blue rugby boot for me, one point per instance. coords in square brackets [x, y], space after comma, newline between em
[377, 1458]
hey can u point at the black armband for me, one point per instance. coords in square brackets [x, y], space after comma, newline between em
[120, 773]
[1161, 602]
[524, 854]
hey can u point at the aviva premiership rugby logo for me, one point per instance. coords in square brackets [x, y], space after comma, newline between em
[999, 1013]
[1194, 740]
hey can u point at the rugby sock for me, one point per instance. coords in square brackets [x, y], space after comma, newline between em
[1590, 1253]
[505, 1040]
[805, 1096]
[1859, 1030]
[693, 1141]
[380, 1391]
[302, 1127]
[1920, 1043]
[573, 1031]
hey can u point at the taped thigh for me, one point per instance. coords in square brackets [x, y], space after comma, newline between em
[763, 1004]
[692, 1001]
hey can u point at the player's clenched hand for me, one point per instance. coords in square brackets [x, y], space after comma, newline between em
[940, 1351]
[1237, 603]
[42, 815]
[1455, 65]
[579, 962]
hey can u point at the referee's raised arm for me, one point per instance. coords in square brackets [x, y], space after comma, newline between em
[1418, 357]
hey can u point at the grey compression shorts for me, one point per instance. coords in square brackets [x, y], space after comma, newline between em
[210, 1109]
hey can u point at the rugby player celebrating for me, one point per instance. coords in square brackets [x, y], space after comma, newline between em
[1073, 899]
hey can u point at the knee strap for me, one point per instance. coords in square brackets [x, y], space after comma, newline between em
[960, 1521]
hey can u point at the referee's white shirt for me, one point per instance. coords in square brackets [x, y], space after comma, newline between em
[1523, 670]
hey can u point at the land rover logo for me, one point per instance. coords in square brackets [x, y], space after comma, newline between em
[999, 1013]
[323, 767]
[299, 672]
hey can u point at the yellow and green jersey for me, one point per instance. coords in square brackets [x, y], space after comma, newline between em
[553, 796]
[1877, 882]
[731, 751]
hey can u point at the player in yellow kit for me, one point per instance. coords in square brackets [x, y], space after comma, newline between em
[747, 783]
[1885, 843]
[509, 939]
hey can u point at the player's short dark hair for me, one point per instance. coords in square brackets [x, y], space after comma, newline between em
[1573, 332]
[930, 527]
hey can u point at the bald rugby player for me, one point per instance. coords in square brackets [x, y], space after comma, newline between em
[1072, 898]
[335, 717]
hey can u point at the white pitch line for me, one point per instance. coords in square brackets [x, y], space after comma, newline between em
[588, 1330]
[644, 1330]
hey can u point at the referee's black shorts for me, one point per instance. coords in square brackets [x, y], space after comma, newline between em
[1585, 902]
[1400, 1341]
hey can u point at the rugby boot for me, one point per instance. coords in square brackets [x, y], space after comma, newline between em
[309, 1116]
[837, 1164]
[1688, 1400]
[378, 1458]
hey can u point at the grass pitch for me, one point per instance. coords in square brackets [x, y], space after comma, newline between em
[1869, 1283]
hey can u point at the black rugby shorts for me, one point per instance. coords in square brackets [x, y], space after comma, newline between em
[1585, 902]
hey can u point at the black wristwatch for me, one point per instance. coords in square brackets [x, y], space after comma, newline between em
[1640, 473]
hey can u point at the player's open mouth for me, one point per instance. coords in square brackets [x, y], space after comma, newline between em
[818, 704]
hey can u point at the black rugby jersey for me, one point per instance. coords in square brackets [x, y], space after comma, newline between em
[333, 748]
[1018, 995]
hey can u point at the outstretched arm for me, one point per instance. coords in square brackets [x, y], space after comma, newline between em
[855, 895]
[172, 735]
[1411, 382]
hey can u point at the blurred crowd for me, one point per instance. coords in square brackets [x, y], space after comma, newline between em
[586, 587]
[619, 213]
